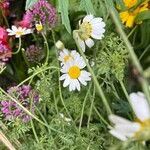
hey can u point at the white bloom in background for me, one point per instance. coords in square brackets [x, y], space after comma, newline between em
[66, 55]
[74, 75]
[59, 44]
[65, 118]
[90, 28]
[18, 31]
[140, 129]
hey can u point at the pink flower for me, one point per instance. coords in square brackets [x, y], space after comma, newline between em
[3, 34]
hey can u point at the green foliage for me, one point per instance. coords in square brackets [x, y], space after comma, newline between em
[87, 6]
[30, 3]
[63, 9]
[112, 58]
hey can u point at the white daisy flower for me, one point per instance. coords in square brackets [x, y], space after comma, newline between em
[66, 55]
[18, 32]
[139, 129]
[74, 75]
[90, 27]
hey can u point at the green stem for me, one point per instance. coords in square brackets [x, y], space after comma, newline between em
[14, 53]
[99, 89]
[144, 52]
[84, 103]
[47, 48]
[34, 132]
[133, 56]
[33, 75]
[59, 83]
[91, 108]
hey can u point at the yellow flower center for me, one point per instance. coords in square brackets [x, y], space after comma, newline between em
[39, 27]
[85, 30]
[129, 3]
[74, 72]
[67, 58]
[144, 130]
[19, 33]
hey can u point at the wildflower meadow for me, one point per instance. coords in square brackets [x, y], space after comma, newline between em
[74, 74]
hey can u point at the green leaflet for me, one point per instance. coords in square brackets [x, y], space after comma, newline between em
[63, 6]
[87, 6]
[143, 16]
[30, 3]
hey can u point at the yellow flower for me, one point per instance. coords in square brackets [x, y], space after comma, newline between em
[128, 16]
[39, 27]
[129, 3]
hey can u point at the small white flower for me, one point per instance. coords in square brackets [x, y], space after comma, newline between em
[124, 129]
[18, 32]
[74, 75]
[65, 118]
[59, 44]
[90, 27]
[66, 55]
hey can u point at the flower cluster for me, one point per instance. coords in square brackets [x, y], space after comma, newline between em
[34, 54]
[128, 16]
[4, 6]
[138, 130]
[72, 68]
[25, 96]
[5, 51]
[42, 12]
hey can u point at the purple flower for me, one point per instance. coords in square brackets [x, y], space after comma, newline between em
[34, 54]
[26, 96]
[43, 12]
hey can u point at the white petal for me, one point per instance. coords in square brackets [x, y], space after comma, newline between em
[88, 18]
[140, 106]
[128, 130]
[118, 120]
[14, 28]
[66, 82]
[82, 81]
[97, 36]
[98, 21]
[77, 84]
[89, 42]
[81, 43]
[63, 77]
[118, 135]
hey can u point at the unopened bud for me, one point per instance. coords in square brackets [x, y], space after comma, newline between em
[59, 45]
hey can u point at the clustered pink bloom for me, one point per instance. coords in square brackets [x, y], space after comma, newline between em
[5, 50]
[43, 12]
[4, 6]
[26, 96]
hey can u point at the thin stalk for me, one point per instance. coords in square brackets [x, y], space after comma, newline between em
[133, 56]
[99, 89]
[18, 50]
[47, 48]
[91, 108]
[7, 143]
[144, 52]
[33, 75]
[43, 118]
[83, 106]
[59, 83]
[34, 132]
